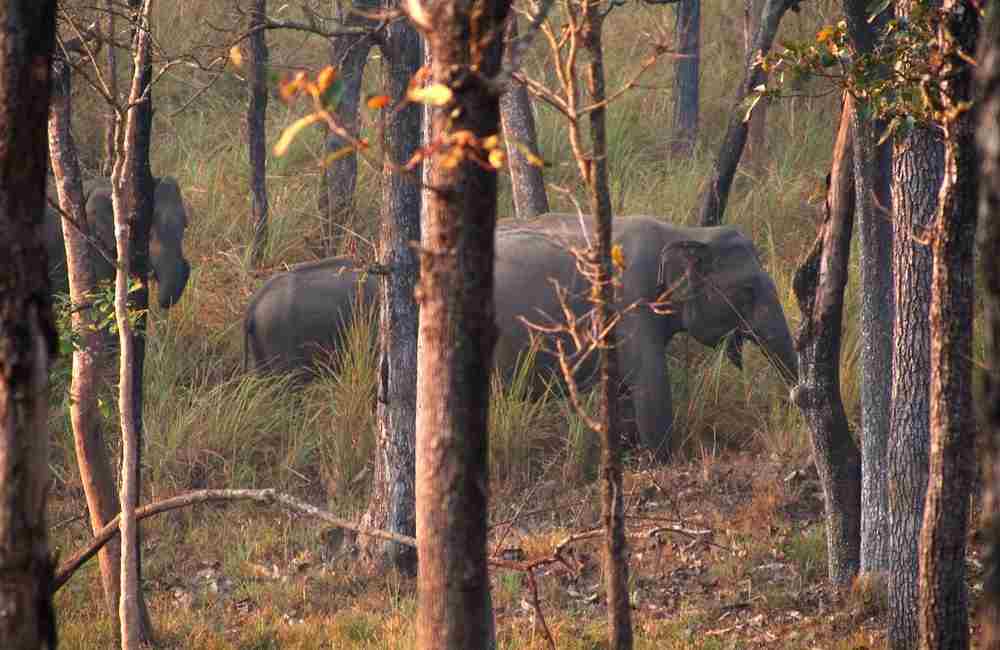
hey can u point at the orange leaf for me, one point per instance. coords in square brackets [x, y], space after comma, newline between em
[376, 102]
[326, 77]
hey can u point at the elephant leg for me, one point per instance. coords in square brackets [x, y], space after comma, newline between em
[650, 395]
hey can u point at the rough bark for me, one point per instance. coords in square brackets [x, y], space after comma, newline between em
[457, 337]
[256, 127]
[872, 179]
[944, 602]
[988, 242]
[917, 173]
[716, 194]
[131, 197]
[111, 61]
[819, 288]
[612, 492]
[28, 338]
[348, 54]
[392, 502]
[686, 73]
[756, 156]
[91, 451]
[526, 180]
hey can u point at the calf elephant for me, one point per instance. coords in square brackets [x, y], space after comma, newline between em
[166, 254]
[704, 281]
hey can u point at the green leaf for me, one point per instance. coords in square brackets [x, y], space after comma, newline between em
[331, 96]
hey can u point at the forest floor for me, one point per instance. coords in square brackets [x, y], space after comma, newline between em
[726, 552]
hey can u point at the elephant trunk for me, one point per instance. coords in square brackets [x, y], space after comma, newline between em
[775, 339]
[172, 283]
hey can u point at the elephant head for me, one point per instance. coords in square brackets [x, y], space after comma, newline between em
[721, 292]
[166, 253]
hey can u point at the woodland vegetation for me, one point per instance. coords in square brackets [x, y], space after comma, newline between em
[402, 499]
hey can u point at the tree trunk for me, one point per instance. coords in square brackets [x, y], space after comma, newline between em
[131, 185]
[392, 503]
[756, 157]
[612, 492]
[348, 54]
[110, 117]
[91, 452]
[917, 174]
[256, 127]
[457, 336]
[716, 194]
[988, 140]
[28, 337]
[944, 603]
[526, 180]
[686, 92]
[872, 179]
[819, 288]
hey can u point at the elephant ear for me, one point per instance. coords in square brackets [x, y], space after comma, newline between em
[683, 263]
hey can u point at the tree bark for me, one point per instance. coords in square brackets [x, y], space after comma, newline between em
[988, 242]
[716, 194]
[872, 180]
[348, 54]
[819, 287]
[392, 502]
[612, 491]
[28, 338]
[91, 451]
[686, 76]
[110, 117]
[756, 156]
[526, 180]
[944, 602]
[917, 174]
[457, 335]
[256, 127]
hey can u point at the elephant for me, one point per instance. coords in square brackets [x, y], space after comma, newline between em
[707, 282]
[166, 237]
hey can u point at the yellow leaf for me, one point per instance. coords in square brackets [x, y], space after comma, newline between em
[236, 56]
[491, 142]
[289, 134]
[497, 158]
[378, 101]
[824, 34]
[326, 77]
[462, 138]
[618, 256]
[290, 87]
[435, 95]
[343, 152]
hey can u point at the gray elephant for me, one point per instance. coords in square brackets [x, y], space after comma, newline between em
[705, 281]
[166, 252]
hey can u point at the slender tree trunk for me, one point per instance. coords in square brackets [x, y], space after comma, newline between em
[348, 54]
[110, 117]
[457, 336]
[716, 195]
[91, 451]
[988, 141]
[686, 74]
[612, 492]
[756, 157]
[819, 288]
[256, 127]
[130, 179]
[28, 338]
[917, 174]
[392, 504]
[526, 180]
[944, 602]
[872, 180]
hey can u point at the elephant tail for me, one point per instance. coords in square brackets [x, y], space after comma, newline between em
[247, 338]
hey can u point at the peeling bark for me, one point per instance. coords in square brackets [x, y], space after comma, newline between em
[256, 128]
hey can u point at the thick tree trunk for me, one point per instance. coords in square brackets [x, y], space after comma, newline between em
[872, 179]
[526, 180]
[91, 452]
[457, 336]
[988, 141]
[917, 173]
[819, 288]
[28, 338]
[348, 54]
[256, 127]
[392, 503]
[713, 200]
[756, 156]
[686, 74]
[944, 603]
[110, 117]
